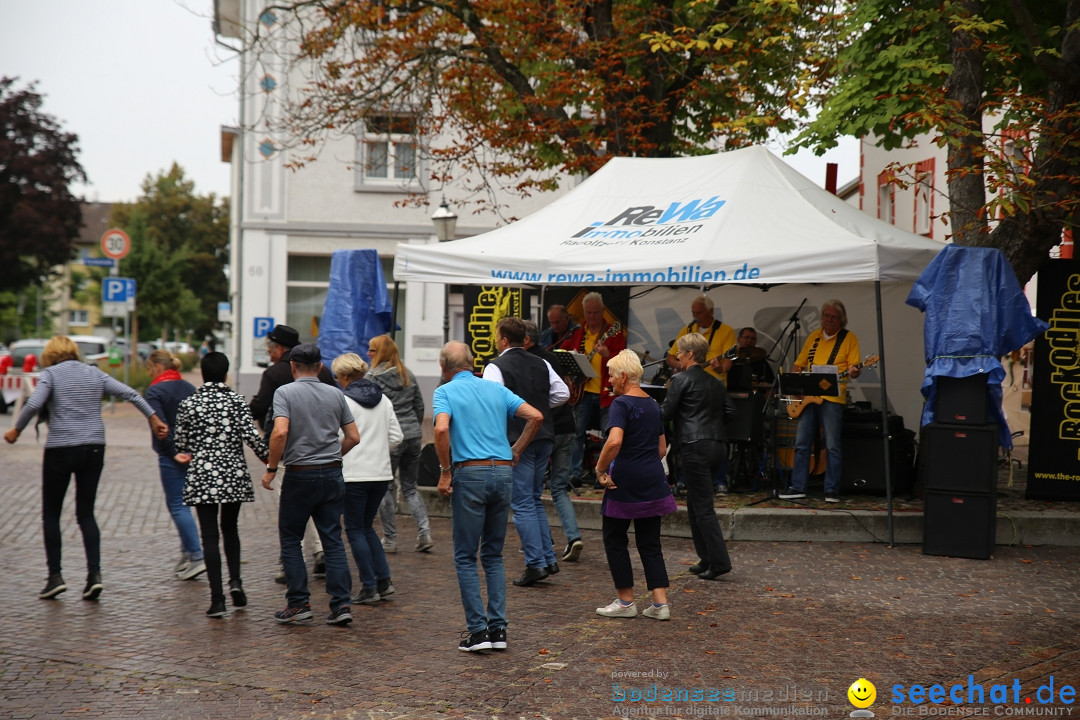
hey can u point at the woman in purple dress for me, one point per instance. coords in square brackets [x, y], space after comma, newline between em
[636, 488]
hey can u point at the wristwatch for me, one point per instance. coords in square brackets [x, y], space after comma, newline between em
[444, 469]
[270, 469]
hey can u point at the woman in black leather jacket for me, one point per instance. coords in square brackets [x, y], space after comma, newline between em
[698, 404]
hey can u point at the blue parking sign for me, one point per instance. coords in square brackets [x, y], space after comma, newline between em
[263, 326]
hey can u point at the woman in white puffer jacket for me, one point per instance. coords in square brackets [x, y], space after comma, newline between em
[367, 473]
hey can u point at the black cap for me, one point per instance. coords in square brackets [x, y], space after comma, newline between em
[284, 336]
[306, 354]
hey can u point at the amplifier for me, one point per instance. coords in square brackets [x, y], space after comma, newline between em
[958, 458]
[863, 468]
[960, 524]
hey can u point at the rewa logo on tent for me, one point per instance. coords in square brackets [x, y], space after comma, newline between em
[690, 211]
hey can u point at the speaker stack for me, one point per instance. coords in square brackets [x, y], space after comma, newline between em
[958, 465]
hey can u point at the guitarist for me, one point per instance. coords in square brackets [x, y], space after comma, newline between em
[720, 336]
[591, 410]
[831, 344]
[560, 327]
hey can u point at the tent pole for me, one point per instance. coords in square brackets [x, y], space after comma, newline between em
[393, 319]
[884, 412]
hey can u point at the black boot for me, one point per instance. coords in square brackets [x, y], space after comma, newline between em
[93, 586]
[53, 586]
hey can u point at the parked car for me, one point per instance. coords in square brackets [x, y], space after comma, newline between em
[92, 348]
[142, 349]
[179, 348]
[21, 348]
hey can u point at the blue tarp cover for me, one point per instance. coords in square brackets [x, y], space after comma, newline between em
[357, 305]
[976, 312]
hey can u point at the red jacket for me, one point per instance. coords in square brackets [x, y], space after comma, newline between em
[615, 343]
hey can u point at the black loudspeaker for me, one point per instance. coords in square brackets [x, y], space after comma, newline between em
[747, 424]
[963, 400]
[958, 458]
[863, 469]
[960, 524]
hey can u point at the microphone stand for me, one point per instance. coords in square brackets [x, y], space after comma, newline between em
[771, 471]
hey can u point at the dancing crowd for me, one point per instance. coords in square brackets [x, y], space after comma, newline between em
[335, 440]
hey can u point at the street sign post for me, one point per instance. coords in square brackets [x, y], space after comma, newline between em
[117, 296]
[115, 243]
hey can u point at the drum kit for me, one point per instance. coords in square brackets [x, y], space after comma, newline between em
[761, 436]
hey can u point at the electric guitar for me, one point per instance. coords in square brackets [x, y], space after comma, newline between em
[577, 387]
[796, 408]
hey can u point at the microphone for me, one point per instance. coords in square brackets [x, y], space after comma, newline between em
[795, 315]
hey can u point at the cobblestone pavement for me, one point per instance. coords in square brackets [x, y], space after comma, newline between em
[788, 631]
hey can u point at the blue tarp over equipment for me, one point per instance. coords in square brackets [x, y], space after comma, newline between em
[357, 305]
[976, 312]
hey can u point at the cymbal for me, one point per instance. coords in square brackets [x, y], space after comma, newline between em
[751, 354]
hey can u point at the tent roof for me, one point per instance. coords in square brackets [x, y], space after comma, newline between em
[738, 217]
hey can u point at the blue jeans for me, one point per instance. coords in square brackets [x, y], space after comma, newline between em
[319, 495]
[830, 416]
[173, 475]
[405, 463]
[530, 518]
[480, 505]
[587, 415]
[361, 505]
[559, 480]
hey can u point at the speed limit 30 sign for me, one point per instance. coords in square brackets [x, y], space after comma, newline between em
[115, 243]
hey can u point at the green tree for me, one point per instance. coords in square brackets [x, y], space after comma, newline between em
[926, 66]
[179, 249]
[39, 217]
[525, 92]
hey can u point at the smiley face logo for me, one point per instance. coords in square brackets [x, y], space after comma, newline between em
[862, 693]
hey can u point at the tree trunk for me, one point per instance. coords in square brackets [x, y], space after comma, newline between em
[966, 182]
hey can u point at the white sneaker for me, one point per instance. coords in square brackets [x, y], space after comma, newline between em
[182, 563]
[389, 546]
[617, 609]
[657, 613]
[194, 568]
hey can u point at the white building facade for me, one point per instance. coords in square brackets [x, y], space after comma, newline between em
[287, 222]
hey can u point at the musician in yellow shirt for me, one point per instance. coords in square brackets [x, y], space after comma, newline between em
[602, 341]
[831, 344]
[721, 337]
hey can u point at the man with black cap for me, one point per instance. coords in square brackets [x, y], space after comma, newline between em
[279, 344]
[307, 418]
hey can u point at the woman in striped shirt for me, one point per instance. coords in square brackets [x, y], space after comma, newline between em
[71, 392]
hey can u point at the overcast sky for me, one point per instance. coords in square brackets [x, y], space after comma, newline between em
[143, 84]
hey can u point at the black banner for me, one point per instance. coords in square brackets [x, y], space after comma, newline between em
[1053, 470]
[484, 308]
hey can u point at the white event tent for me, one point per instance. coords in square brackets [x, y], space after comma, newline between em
[740, 218]
[737, 217]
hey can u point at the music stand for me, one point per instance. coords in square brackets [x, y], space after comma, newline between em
[816, 384]
[573, 364]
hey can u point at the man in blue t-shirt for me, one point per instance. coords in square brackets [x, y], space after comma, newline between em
[470, 422]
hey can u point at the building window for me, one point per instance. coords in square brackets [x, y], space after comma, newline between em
[886, 191]
[924, 197]
[387, 152]
[79, 318]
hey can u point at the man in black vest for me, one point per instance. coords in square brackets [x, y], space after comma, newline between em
[537, 383]
[562, 455]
